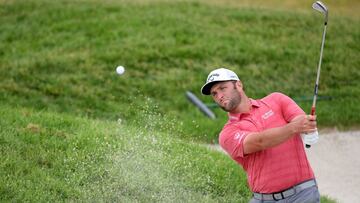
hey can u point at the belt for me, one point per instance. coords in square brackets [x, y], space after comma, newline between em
[286, 193]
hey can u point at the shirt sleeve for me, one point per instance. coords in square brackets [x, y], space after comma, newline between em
[231, 139]
[288, 107]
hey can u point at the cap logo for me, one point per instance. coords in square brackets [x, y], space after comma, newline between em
[211, 77]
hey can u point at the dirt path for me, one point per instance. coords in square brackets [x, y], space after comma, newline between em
[335, 160]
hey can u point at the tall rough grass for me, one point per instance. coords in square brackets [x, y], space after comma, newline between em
[51, 157]
[61, 56]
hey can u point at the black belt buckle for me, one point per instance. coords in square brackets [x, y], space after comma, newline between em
[274, 195]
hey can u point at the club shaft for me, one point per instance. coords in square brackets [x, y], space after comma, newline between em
[318, 71]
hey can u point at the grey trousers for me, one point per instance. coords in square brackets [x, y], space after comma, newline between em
[308, 195]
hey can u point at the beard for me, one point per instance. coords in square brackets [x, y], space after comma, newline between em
[234, 101]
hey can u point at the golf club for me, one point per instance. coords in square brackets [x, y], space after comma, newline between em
[311, 138]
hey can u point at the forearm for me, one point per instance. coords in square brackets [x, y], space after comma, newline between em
[268, 138]
[272, 137]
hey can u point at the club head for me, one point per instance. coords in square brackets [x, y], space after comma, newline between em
[319, 6]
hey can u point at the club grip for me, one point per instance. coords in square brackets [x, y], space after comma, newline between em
[312, 113]
[312, 110]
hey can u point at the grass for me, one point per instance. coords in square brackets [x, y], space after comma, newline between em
[50, 157]
[60, 94]
[62, 56]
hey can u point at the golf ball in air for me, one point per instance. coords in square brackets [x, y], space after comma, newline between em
[120, 70]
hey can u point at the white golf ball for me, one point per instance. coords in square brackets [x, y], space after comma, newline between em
[120, 70]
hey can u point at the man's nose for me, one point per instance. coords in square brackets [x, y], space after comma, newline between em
[219, 96]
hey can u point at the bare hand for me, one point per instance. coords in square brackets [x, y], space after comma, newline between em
[303, 124]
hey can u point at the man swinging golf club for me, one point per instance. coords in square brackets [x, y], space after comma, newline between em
[263, 136]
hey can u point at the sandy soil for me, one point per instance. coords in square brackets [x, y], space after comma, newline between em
[335, 160]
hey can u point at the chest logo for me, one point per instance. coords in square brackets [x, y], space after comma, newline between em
[267, 114]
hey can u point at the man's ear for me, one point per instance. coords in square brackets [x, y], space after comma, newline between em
[239, 84]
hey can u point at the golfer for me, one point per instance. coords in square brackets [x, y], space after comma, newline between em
[263, 136]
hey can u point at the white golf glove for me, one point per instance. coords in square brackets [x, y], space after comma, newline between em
[310, 138]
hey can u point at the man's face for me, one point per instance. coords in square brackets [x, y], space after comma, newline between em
[226, 95]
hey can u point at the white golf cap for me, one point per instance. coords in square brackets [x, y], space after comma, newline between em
[218, 75]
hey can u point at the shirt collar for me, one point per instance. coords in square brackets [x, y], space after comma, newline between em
[237, 116]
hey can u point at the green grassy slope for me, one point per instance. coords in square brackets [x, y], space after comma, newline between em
[47, 157]
[62, 56]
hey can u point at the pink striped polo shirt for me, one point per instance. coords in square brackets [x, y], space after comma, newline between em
[273, 169]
